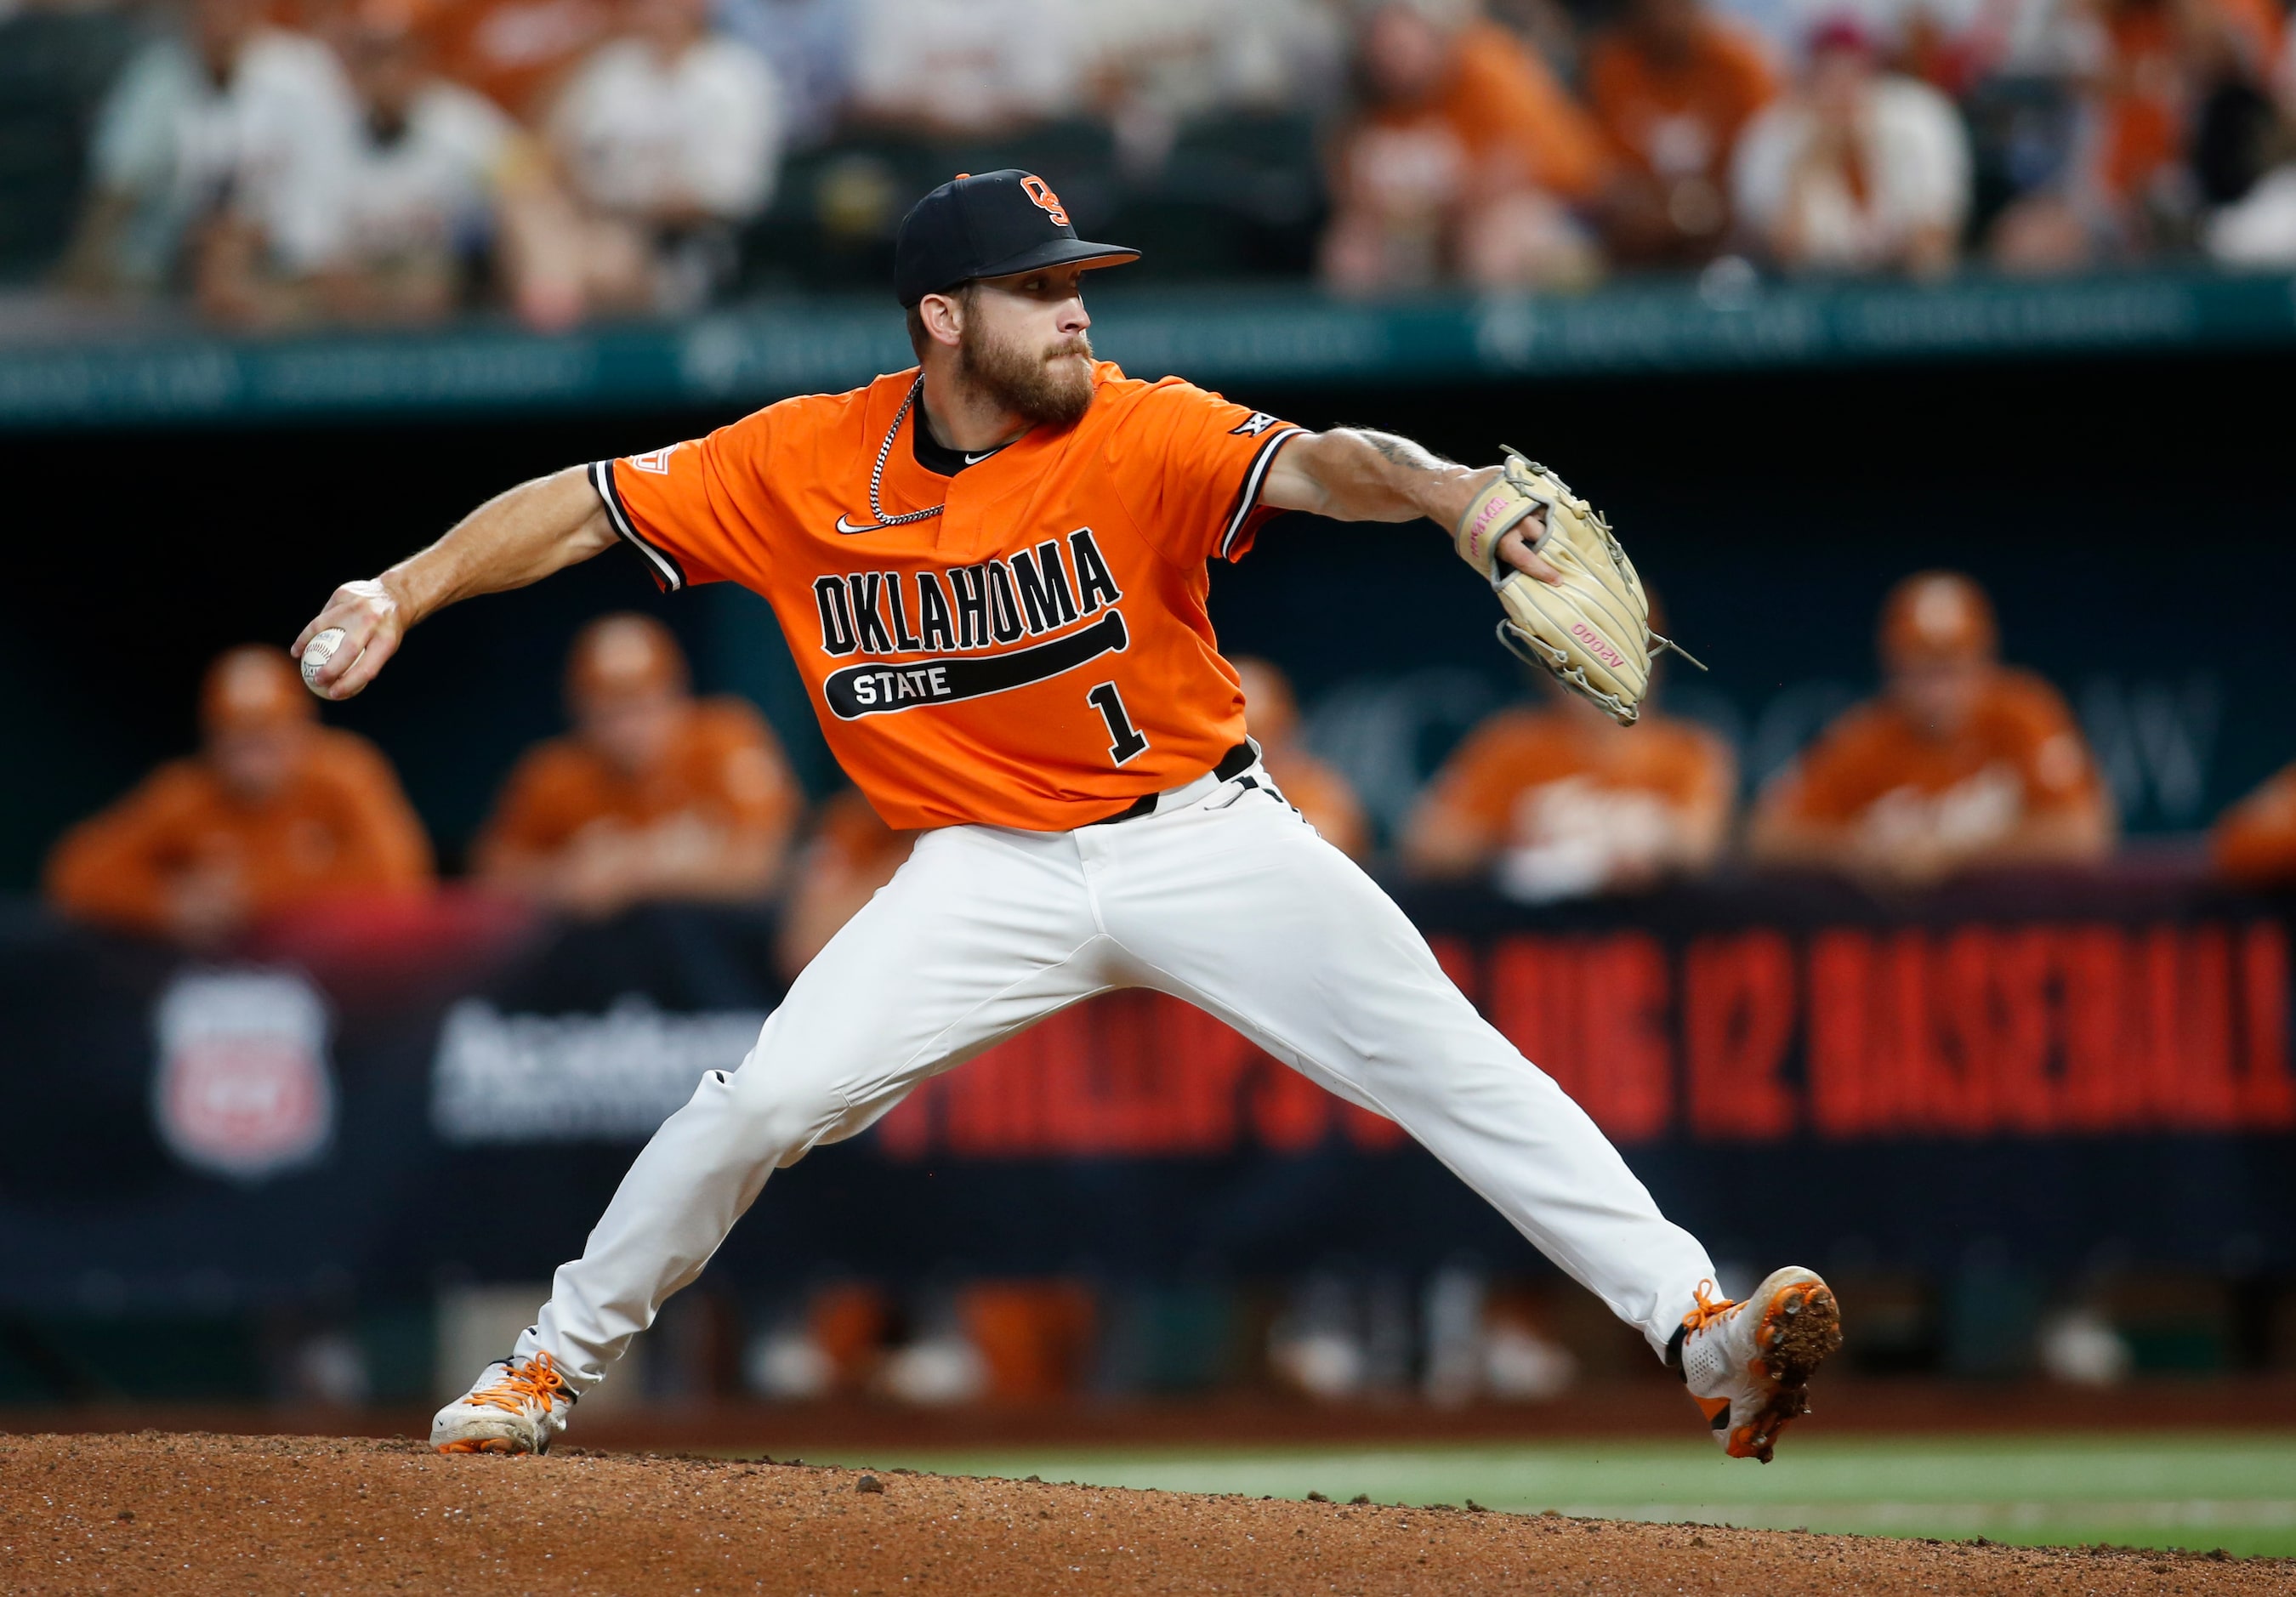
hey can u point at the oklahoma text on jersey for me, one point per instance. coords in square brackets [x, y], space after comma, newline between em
[983, 664]
[984, 607]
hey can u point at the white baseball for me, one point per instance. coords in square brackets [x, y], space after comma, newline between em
[318, 654]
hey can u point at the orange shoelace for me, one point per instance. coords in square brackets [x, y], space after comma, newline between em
[538, 1382]
[1710, 1308]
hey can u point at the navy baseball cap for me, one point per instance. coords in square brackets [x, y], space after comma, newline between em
[989, 225]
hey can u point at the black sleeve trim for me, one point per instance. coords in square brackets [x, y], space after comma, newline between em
[663, 564]
[1247, 497]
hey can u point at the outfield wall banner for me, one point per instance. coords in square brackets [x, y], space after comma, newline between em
[1757, 1036]
[1233, 334]
[2066, 1069]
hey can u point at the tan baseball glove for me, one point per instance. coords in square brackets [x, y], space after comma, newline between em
[1593, 632]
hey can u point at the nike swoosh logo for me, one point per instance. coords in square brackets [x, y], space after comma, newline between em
[974, 460]
[849, 529]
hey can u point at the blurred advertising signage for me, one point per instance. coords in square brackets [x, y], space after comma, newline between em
[1133, 1074]
[244, 1088]
[1752, 1035]
[558, 1078]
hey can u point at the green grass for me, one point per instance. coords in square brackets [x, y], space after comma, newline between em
[2234, 1490]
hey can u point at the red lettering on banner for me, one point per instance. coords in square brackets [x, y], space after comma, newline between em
[1373, 1134]
[1957, 1035]
[1994, 1005]
[1840, 978]
[2197, 1022]
[1591, 1012]
[1897, 1064]
[1093, 1100]
[2150, 1027]
[1529, 997]
[1629, 1064]
[906, 1131]
[2101, 1091]
[996, 1105]
[1128, 1074]
[1885, 1061]
[1289, 1112]
[2265, 1090]
[1738, 1016]
[1927, 1089]
[1456, 955]
[1966, 1032]
[1209, 1058]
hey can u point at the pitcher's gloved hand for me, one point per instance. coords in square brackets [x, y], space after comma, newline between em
[1592, 629]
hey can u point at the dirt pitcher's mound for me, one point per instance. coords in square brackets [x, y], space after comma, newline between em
[154, 1512]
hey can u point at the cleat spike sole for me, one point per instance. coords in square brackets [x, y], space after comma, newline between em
[1808, 1332]
[1808, 1329]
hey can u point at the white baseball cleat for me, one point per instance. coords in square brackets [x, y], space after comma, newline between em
[518, 1406]
[1748, 1364]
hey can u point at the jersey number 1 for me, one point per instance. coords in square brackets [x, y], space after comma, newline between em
[1124, 739]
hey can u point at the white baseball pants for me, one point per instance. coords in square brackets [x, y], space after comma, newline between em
[1224, 897]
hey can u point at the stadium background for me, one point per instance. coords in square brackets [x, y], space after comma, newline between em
[2046, 479]
[2120, 488]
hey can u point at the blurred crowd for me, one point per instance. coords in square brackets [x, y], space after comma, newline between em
[1960, 764]
[291, 160]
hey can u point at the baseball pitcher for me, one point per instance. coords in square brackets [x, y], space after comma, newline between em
[991, 569]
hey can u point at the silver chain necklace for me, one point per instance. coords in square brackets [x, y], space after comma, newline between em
[884, 453]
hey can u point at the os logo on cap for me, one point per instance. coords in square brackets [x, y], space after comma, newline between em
[1047, 202]
[986, 225]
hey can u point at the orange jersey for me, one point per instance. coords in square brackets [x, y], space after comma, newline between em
[2151, 89]
[1681, 118]
[2255, 840]
[2019, 754]
[1510, 121]
[340, 823]
[1036, 655]
[851, 854]
[724, 766]
[515, 51]
[1504, 778]
[851, 839]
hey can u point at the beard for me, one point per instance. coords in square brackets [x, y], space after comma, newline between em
[1048, 387]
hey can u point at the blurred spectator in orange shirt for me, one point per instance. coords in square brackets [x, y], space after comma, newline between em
[665, 140]
[2255, 840]
[2165, 60]
[1961, 762]
[515, 51]
[273, 810]
[655, 794]
[1547, 27]
[1315, 791]
[1672, 86]
[1857, 169]
[1464, 161]
[2177, 104]
[1561, 801]
[851, 856]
